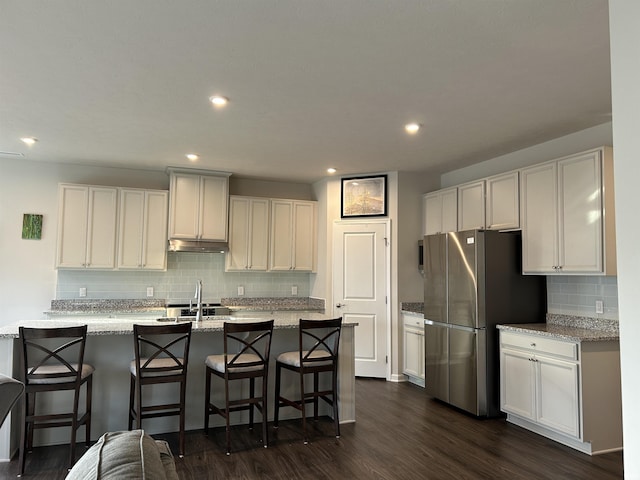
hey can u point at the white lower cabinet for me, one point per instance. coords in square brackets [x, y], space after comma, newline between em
[566, 390]
[413, 335]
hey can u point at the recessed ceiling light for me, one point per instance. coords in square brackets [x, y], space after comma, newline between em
[192, 156]
[412, 127]
[218, 100]
[331, 170]
[29, 140]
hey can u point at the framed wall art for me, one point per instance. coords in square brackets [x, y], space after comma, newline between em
[32, 226]
[364, 197]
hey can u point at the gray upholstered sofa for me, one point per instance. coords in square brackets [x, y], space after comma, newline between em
[126, 455]
[10, 391]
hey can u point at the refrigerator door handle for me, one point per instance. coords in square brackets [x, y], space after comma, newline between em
[437, 324]
[466, 329]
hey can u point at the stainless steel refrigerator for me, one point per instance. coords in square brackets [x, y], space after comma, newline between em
[473, 282]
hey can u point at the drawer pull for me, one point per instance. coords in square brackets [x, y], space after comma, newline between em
[533, 344]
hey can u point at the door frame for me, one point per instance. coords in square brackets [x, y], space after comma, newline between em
[387, 283]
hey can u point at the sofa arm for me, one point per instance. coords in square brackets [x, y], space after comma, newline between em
[10, 391]
[123, 456]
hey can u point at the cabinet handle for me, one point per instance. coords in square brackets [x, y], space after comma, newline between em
[533, 344]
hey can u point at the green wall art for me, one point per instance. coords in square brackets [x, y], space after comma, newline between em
[32, 226]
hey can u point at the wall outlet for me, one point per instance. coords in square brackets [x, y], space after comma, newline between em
[240, 290]
[83, 291]
[294, 290]
[149, 291]
[599, 306]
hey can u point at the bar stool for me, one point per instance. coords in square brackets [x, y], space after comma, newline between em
[53, 360]
[317, 353]
[246, 356]
[161, 356]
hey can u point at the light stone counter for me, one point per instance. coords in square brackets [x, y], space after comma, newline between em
[563, 332]
[122, 324]
[110, 350]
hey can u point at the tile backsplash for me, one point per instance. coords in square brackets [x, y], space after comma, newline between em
[577, 295]
[177, 284]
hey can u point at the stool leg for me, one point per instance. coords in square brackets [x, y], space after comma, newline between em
[335, 402]
[183, 389]
[87, 425]
[252, 394]
[23, 434]
[316, 389]
[265, 409]
[132, 391]
[302, 407]
[31, 424]
[227, 414]
[138, 402]
[276, 405]
[207, 399]
[74, 427]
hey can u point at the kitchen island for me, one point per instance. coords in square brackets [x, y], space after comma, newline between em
[110, 350]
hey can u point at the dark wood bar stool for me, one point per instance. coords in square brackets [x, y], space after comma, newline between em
[161, 356]
[317, 353]
[53, 360]
[246, 356]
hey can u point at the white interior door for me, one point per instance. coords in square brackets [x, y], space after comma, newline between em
[360, 289]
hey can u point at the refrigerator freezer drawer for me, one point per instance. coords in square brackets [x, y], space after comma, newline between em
[436, 372]
[455, 366]
[467, 370]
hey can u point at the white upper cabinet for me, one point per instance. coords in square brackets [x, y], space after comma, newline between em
[440, 211]
[248, 234]
[142, 238]
[471, 205]
[503, 202]
[87, 223]
[198, 205]
[293, 235]
[567, 215]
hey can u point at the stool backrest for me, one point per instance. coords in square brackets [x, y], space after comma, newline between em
[244, 338]
[169, 343]
[318, 336]
[52, 355]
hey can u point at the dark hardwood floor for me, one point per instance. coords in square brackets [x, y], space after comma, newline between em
[400, 434]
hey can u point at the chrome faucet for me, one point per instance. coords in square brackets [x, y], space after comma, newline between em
[198, 297]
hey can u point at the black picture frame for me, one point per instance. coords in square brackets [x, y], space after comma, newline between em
[364, 196]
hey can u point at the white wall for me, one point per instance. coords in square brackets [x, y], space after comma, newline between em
[265, 188]
[574, 143]
[27, 274]
[624, 17]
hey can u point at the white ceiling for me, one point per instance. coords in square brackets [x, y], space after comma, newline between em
[312, 83]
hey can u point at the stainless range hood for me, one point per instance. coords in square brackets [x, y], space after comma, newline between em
[197, 246]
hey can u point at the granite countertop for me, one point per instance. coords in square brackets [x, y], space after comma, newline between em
[412, 307]
[116, 308]
[111, 307]
[572, 328]
[104, 325]
[565, 327]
